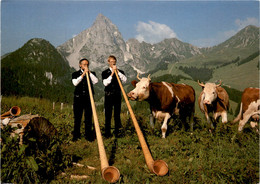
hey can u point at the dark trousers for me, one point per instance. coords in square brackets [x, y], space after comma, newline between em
[112, 101]
[82, 103]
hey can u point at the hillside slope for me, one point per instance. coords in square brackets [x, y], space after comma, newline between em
[239, 77]
[37, 70]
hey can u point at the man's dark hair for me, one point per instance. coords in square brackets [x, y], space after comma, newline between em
[83, 60]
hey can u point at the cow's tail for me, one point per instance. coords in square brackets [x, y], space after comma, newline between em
[239, 115]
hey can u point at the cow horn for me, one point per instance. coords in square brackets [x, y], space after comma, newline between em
[149, 77]
[138, 76]
[220, 82]
[201, 84]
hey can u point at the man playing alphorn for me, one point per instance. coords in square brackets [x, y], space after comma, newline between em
[112, 95]
[82, 100]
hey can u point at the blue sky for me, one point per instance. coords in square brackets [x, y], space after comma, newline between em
[201, 23]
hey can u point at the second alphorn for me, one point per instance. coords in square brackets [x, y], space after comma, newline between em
[109, 173]
[14, 111]
[159, 167]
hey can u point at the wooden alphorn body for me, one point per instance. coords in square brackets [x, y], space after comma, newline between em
[14, 111]
[159, 167]
[109, 173]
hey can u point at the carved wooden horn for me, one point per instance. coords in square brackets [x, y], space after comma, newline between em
[159, 167]
[14, 111]
[109, 173]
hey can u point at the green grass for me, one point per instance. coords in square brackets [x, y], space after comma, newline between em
[200, 157]
[239, 77]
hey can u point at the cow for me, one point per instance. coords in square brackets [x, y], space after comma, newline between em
[165, 99]
[213, 99]
[249, 108]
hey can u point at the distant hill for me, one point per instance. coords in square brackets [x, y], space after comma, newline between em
[38, 70]
[234, 61]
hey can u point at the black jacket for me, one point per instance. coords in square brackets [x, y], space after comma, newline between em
[82, 88]
[113, 87]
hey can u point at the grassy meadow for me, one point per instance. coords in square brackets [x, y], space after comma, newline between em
[199, 157]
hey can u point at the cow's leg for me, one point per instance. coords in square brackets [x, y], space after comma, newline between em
[255, 117]
[243, 121]
[164, 125]
[191, 121]
[224, 117]
[152, 119]
[246, 116]
[254, 125]
[210, 124]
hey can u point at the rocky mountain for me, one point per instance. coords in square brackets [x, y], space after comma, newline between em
[96, 44]
[147, 57]
[103, 39]
[37, 69]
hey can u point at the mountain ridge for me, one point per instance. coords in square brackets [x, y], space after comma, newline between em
[103, 38]
[41, 70]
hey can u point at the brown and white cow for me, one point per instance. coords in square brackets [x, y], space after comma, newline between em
[249, 108]
[165, 99]
[213, 99]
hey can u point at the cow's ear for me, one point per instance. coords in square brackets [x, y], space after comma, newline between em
[134, 83]
[223, 96]
[221, 93]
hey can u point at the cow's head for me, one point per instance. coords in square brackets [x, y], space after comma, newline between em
[210, 92]
[141, 91]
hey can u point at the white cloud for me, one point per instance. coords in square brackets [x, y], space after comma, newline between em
[153, 32]
[249, 21]
[223, 36]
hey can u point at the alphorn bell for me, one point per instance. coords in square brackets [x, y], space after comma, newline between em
[14, 111]
[109, 173]
[159, 167]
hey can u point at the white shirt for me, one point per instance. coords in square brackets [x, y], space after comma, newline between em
[108, 80]
[93, 78]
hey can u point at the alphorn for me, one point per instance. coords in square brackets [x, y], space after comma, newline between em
[159, 167]
[14, 111]
[109, 173]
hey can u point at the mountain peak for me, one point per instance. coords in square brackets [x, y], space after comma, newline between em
[102, 21]
[100, 17]
[249, 36]
[96, 43]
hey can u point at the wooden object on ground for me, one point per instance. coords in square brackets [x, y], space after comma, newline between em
[20, 123]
